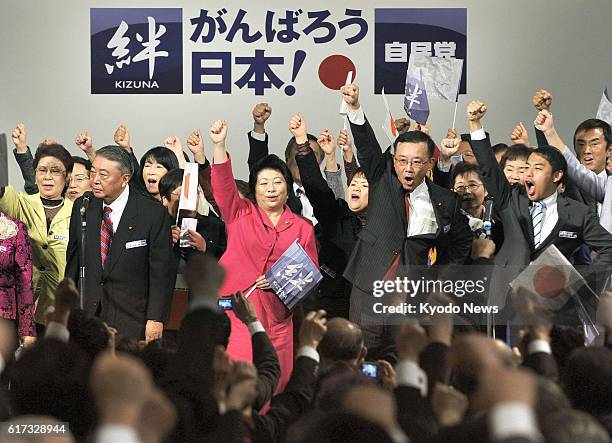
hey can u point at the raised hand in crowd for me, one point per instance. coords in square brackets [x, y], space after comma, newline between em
[66, 299]
[350, 93]
[195, 144]
[411, 340]
[122, 137]
[449, 404]
[84, 142]
[402, 124]
[313, 329]
[20, 138]
[157, 418]
[542, 100]
[261, 114]
[174, 144]
[218, 133]
[544, 122]
[242, 390]
[243, 309]
[483, 248]
[450, 144]
[345, 142]
[476, 110]
[498, 384]
[297, 127]
[520, 135]
[423, 128]
[328, 146]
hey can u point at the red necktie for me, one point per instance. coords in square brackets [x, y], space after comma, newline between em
[392, 271]
[106, 234]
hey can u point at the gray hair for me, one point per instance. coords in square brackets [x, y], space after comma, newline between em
[118, 155]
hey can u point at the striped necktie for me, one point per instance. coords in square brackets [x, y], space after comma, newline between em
[106, 234]
[537, 217]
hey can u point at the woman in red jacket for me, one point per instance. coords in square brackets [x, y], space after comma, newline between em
[257, 235]
[16, 294]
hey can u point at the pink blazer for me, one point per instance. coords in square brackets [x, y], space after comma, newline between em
[16, 293]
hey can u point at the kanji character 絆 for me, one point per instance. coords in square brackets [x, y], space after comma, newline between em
[149, 47]
[119, 42]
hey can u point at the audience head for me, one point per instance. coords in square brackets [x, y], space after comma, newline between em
[413, 158]
[88, 332]
[571, 426]
[465, 150]
[593, 143]
[343, 342]
[110, 173]
[291, 151]
[78, 183]
[337, 427]
[52, 166]
[357, 192]
[375, 404]
[169, 187]
[204, 277]
[514, 163]
[468, 184]
[546, 170]
[587, 380]
[51, 378]
[158, 356]
[154, 164]
[499, 150]
[270, 181]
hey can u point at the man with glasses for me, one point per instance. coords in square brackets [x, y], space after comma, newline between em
[413, 224]
[130, 266]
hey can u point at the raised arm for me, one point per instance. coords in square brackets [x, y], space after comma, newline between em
[195, 143]
[542, 101]
[223, 183]
[369, 153]
[122, 139]
[333, 174]
[258, 138]
[24, 159]
[492, 174]
[84, 142]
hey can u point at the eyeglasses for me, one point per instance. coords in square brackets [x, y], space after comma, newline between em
[104, 176]
[55, 172]
[78, 178]
[471, 187]
[416, 163]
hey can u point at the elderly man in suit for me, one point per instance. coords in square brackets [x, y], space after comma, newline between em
[413, 224]
[130, 266]
[536, 215]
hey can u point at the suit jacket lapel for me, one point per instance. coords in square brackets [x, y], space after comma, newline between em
[563, 216]
[123, 233]
[437, 205]
[525, 219]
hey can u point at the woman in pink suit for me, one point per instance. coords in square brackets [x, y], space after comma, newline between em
[257, 235]
[16, 294]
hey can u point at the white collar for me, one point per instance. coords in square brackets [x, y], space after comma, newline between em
[420, 190]
[603, 174]
[551, 200]
[120, 201]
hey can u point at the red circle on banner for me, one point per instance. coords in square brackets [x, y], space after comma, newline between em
[334, 69]
[548, 282]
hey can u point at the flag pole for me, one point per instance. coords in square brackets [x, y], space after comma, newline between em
[455, 114]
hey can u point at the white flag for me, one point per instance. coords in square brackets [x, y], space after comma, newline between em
[551, 277]
[442, 76]
[343, 105]
[189, 190]
[604, 112]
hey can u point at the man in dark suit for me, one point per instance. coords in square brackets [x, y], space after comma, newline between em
[535, 216]
[412, 225]
[130, 266]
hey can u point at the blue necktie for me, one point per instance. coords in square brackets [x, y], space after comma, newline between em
[537, 217]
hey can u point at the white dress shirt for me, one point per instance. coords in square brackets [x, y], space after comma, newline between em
[118, 206]
[603, 175]
[422, 215]
[307, 209]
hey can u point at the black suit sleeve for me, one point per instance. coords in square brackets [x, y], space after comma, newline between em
[434, 361]
[540, 138]
[543, 364]
[26, 165]
[600, 240]
[290, 404]
[325, 206]
[460, 236]
[495, 181]
[369, 153]
[268, 368]
[72, 252]
[442, 178]
[162, 266]
[257, 149]
[415, 414]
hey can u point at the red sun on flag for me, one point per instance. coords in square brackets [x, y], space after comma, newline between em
[549, 282]
[334, 69]
[392, 125]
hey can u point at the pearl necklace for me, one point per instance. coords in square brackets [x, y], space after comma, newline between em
[54, 207]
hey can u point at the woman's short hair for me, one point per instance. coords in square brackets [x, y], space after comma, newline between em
[161, 155]
[82, 161]
[56, 151]
[269, 162]
[169, 182]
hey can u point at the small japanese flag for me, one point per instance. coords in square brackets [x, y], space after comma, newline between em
[189, 190]
[389, 121]
[551, 277]
[343, 105]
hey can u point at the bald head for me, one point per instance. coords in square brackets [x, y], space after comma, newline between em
[343, 341]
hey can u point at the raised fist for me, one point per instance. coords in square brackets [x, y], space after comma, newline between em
[297, 126]
[327, 142]
[542, 100]
[84, 142]
[195, 142]
[19, 136]
[122, 137]
[450, 144]
[544, 121]
[520, 135]
[261, 113]
[344, 140]
[402, 125]
[476, 110]
[422, 128]
[218, 132]
[350, 93]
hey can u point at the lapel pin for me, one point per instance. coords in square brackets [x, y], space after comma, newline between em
[439, 204]
[130, 228]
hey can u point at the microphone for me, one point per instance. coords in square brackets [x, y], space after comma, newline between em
[487, 223]
[85, 202]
